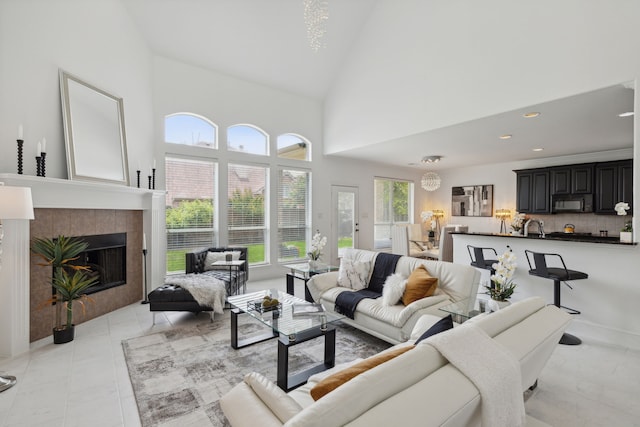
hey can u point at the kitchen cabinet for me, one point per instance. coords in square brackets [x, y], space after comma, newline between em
[614, 183]
[533, 191]
[573, 179]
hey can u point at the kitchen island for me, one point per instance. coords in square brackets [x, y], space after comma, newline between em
[609, 299]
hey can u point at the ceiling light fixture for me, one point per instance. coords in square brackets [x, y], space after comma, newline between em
[538, 149]
[506, 136]
[627, 114]
[431, 159]
[430, 181]
[531, 115]
[316, 15]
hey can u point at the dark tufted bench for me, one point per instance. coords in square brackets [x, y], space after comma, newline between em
[174, 298]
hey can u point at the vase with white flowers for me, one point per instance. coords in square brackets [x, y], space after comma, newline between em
[502, 285]
[318, 242]
[518, 222]
[626, 233]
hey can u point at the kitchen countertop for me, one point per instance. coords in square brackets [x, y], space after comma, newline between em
[565, 237]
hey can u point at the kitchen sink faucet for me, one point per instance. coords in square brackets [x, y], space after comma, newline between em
[540, 227]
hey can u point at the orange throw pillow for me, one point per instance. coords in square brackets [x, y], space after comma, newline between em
[420, 284]
[336, 380]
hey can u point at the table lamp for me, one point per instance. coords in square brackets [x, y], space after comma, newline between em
[15, 203]
[502, 215]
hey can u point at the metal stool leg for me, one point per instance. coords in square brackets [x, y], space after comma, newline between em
[567, 339]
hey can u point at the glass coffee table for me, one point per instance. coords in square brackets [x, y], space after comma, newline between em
[304, 272]
[289, 329]
[460, 310]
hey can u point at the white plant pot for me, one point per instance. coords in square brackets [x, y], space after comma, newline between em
[626, 236]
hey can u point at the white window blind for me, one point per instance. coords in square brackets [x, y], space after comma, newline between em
[247, 191]
[294, 210]
[190, 210]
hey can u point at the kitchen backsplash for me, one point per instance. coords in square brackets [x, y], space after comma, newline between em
[584, 223]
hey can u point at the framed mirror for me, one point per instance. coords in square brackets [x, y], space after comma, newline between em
[94, 132]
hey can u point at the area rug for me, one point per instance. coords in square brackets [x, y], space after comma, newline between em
[179, 375]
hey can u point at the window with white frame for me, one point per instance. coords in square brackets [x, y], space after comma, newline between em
[247, 214]
[190, 129]
[393, 204]
[247, 139]
[190, 208]
[294, 213]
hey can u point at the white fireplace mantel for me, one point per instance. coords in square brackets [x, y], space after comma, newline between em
[54, 193]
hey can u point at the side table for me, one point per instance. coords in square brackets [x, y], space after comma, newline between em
[234, 282]
[303, 272]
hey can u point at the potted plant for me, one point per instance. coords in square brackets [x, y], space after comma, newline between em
[626, 233]
[69, 280]
[502, 285]
[518, 222]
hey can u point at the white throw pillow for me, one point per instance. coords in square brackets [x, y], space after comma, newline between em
[353, 274]
[393, 289]
[219, 256]
[279, 402]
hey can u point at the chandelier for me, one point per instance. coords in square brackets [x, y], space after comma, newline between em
[430, 181]
[316, 15]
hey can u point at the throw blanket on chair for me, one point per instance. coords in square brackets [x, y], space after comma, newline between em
[206, 290]
[385, 265]
[491, 368]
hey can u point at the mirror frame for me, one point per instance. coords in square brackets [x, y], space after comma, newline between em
[72, 143]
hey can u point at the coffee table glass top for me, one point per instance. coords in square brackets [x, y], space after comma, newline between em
[281, 319]
[460, 310]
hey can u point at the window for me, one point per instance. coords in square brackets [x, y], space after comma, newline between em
[190, 129]
[294, 213]
[247, 191]
[190, 208]
[393, 205]
[247, 139]
[291, 146]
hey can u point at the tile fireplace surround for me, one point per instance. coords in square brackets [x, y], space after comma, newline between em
[73, 208]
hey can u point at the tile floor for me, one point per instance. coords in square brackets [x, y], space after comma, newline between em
[86, 383]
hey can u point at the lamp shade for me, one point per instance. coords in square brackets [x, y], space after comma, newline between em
[15, 203]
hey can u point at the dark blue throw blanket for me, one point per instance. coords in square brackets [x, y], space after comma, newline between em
[385, 265]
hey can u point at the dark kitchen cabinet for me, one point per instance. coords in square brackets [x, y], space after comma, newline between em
[533, 191]
[614, 183]
[574, 179]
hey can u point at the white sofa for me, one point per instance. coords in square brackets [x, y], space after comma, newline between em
[417, 388]
[456, 282]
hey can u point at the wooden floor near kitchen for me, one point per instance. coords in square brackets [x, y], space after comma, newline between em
[86, 382]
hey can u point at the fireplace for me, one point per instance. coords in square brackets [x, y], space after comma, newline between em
[106, 256]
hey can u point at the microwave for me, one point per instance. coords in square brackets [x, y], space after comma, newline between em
[571, 203]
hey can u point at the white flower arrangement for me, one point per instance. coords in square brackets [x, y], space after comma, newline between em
[318, 242]
[426, 215]
[621, 208]
[518, 221]
[502, 286]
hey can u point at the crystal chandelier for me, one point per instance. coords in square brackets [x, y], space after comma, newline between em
[316, 15]
[430, 181]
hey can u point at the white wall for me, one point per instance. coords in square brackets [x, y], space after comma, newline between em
[227, 101]
[422, 65]
[94, 40]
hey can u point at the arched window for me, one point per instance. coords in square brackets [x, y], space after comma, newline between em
[190, 129]
[247, 139]
[292, 146]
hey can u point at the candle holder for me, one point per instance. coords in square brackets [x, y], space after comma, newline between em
[149, 177]
[146, 297]
[153, 178]
[43, 162]
[20, 144]
[38, 165]
[138, 173]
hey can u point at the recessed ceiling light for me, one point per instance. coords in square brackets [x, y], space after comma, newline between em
[531, 115]
[506, 136]
[627, 114]
[538, 149]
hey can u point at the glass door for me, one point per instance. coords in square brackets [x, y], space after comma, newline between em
[344, 221]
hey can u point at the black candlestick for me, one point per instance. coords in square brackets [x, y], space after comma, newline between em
[153, 179]
[138, 173]
[43, 163]
[38, 165]
[146, 298]
[149, 182]
[20, 142]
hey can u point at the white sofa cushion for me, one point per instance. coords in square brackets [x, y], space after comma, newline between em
[282, 405]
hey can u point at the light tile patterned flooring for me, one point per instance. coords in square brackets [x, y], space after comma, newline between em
[86, 383]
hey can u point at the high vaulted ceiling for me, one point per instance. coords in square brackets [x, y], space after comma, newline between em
[265, 41]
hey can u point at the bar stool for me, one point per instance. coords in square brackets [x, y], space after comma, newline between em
[557, 274]
[478, 260]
